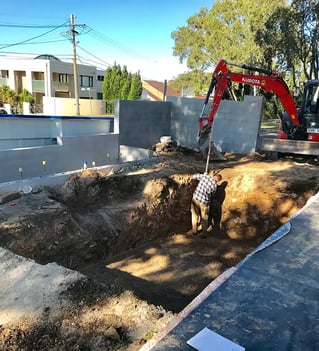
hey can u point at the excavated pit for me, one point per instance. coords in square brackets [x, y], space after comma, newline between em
[129, 228]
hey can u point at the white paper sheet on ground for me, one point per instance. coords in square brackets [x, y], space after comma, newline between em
[207, 340]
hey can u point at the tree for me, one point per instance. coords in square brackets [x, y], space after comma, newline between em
[106, 87]
[126, 82]
[6, 95]
[306, 15]
[26, 96]
[226, 31]
[196, 79]
[291, 39]
[116, 82]
[120, 84]
[136, 88]
[9, 96]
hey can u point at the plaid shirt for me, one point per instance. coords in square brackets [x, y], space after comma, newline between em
[205, 189]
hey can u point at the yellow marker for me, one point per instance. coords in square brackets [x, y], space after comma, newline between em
[20, 169]
[44, 163]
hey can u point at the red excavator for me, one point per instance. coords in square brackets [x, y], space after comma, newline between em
[298, 126]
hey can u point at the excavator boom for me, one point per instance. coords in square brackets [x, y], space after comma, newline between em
[267, 80]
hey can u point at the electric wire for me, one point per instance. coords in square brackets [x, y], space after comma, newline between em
[103, 38]
[83, 29]
[43, 42]
[32, 26]
[89, 30]
[100, 60]
[30, 39]
[107, 40]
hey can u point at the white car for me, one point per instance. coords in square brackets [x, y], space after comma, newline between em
[3, 111]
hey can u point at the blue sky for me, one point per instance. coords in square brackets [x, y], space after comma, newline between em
[135, 33]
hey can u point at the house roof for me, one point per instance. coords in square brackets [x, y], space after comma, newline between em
[155, 89]
[47, 57]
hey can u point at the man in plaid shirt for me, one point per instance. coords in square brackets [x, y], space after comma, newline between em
[202, 196]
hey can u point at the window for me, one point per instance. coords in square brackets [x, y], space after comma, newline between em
[100, 78]
[86, 81]
[63, 78]
[4, 73]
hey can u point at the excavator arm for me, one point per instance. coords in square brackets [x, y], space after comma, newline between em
[267, 80]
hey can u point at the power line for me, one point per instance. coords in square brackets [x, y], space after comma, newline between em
[44, 42]
[32, 26]
[38, 36]
[89, 53]
[89, 30]
[107, 40]
[81, 30]
[103, 38]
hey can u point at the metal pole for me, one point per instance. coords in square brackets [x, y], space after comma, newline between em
[209, 152]
[165, 90]
[75, 69]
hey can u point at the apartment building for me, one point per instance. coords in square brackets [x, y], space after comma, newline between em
[48, 76]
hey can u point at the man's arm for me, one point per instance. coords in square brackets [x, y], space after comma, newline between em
[197, 176]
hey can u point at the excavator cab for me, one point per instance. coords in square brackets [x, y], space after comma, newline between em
[309, 111]
[308, 116]
[311, 97]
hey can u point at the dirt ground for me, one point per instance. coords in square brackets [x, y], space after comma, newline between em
[126, 231]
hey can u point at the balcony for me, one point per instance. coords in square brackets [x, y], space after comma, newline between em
[38, 86]
[60, 87]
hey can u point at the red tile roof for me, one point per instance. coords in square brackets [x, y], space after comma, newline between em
[159, 88]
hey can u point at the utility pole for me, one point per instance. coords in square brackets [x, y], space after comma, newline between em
[75, 68]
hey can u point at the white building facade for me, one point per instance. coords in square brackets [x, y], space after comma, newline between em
[46, 76]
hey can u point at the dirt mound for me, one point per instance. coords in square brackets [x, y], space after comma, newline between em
[126, 232]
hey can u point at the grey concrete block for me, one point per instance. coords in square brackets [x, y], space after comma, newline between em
[142, 123]
[236, 125]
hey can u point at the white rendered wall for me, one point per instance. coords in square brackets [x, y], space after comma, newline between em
[63, 143]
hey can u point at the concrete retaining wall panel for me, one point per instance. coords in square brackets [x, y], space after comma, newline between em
[142, 123]
[184, 123]
[236, 125]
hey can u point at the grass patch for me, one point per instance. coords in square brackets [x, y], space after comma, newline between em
[270, 124]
